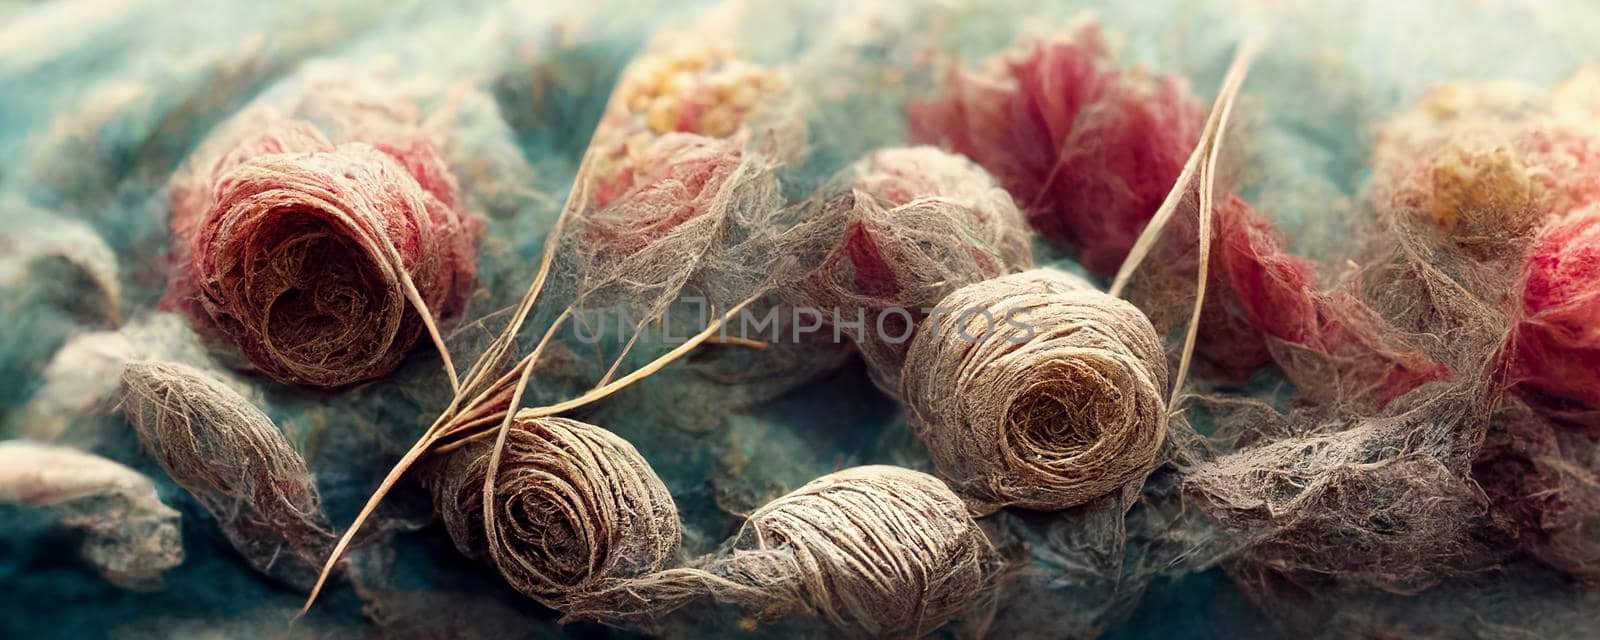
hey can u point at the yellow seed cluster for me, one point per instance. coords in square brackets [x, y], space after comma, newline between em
[1479, 145]
[1481, 193]
[717, 90]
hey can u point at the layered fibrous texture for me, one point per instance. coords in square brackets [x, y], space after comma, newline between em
[698, 217]
[318, 259]
[1554, 350]
[678, 180]
[1088, 150]
[1483, 165]
[1508, 173]
[1543, 482]
[129, 535]
[1404, 465]
[1331, 343]
[1385, 502]
[917, 223]
[1036, 390]
[877, 551]
[235, 462]
[577, 513]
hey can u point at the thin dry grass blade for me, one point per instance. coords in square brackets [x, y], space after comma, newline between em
[1169, 207]
[1204, 158]
[1208, 177]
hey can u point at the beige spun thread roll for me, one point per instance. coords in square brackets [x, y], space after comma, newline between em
[880, 549]
[578, 511]
[876, 551]
[1044, 421]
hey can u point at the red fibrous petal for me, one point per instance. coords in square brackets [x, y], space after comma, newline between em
[1277, 293]
[1089, 151]
[1556, 344]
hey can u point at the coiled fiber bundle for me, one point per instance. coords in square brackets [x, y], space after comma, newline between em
[318, 259]
[877, 551]
[918, 223]
[1036, 390]
[578, 512]
[235, 462]
[1088, 150]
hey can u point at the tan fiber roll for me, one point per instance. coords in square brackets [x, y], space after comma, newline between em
[1035, 390]
[578, 511]
[876, 551]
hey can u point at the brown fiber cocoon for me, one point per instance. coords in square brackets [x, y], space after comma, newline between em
[877, 551]
[578, 511]
[129, 535]
[235, 462]
[1056, 401]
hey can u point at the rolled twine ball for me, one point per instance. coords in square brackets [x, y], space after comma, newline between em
[918, 223]
[1089, 151]
[877, 551]
[1035, 390]
[306, 254]
[235, 462]
[577, 511]
[1554, 350]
